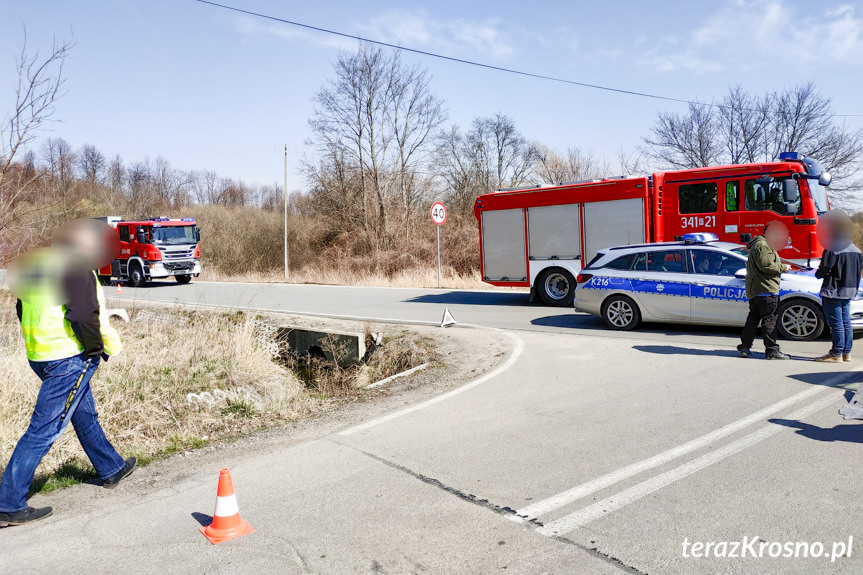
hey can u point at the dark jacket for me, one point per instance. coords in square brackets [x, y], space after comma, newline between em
[763, 268]
[82, 309]
[841, 272]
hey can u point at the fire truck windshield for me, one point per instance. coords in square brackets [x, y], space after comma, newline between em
[174, 235]
[819, 194]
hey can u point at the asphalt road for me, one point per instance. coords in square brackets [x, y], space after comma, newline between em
[585, 451]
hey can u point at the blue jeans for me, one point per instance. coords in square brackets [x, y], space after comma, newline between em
[838, 313]
[65, 396]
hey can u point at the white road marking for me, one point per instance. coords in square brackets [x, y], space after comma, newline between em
[602, 508]
[386, 380]
[556, 501]
[513, 357]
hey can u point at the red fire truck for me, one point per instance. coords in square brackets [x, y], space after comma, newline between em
[538, 237]
[152, 248]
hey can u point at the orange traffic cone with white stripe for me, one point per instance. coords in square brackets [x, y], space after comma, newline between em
[119, 287]
[227, 523]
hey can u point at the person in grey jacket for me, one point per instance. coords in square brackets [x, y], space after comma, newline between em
[841, 268]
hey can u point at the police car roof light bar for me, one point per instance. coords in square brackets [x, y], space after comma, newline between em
[700, 238]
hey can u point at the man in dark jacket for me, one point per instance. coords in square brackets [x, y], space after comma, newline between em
[841, 268]
[763, 272]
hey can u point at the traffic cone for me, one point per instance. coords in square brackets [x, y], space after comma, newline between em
[119, 287]
[227, 523]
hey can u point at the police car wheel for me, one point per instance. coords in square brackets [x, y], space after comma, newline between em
[620, 312]
[183, 280]
[800, 320]
[556, 287]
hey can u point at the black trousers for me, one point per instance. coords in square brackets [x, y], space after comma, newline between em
[764, 310]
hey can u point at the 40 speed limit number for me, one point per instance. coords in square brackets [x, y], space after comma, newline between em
[698, 222]
[438, 213]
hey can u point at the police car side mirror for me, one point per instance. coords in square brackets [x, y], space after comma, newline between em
[740, 274]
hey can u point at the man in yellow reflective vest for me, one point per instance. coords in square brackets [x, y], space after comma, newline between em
[66, 333]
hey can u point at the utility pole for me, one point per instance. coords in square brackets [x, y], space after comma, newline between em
[286, 211]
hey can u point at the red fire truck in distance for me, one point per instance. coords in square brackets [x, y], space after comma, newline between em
[539, 237]
[154, 248]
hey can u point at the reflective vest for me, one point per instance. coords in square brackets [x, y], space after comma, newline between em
[48, 335]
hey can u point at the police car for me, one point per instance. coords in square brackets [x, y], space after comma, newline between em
[696, 281]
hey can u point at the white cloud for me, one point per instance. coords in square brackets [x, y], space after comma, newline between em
[457, 38]
[756, 34]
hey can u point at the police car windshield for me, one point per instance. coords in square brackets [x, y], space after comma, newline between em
[174, 235]
[745, 253]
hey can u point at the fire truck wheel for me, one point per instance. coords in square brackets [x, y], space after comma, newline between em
[800, 320]
[556, 287]
[136, 275]
[620, 312]
[183, 280]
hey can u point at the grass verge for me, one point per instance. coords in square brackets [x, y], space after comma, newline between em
[186, 379]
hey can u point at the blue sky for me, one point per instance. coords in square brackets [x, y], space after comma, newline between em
[211, 89]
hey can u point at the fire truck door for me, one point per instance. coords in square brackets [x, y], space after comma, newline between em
[730, 231]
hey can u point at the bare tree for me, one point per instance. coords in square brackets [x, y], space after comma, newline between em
[116, 174]
[575, 164]
[492, 154]
[687, 140]
[39, 83]
[376, 118]
[744, 128]
[92, 164]
[204, 186]
[60, 159]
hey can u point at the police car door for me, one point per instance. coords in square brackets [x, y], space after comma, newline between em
[660, 284]
[717, 296]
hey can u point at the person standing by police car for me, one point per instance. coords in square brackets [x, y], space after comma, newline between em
[66, 334]
[764, 269]
[840, 269]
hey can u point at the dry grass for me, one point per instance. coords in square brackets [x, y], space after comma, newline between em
[332, 275]
[184, 378]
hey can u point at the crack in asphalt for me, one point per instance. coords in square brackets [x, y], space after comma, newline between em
[498, 509]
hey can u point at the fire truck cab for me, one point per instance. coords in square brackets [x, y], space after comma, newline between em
[541, 237]
[154, 248]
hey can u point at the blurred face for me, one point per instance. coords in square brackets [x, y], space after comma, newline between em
[776, 236]
[835, 231]
[94, 242]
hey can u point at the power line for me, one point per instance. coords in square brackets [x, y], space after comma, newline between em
[477, 64]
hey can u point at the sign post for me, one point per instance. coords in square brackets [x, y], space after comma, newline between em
[438, 216]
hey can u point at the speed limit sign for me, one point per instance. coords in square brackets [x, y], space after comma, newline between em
[438, 213]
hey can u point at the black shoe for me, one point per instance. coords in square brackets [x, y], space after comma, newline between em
[115, 479]
[776, 355]
[744, 351]
[24, 516]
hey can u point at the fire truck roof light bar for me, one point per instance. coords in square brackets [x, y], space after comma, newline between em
[791, 156]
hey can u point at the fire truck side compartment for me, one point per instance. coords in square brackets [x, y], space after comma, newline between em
[612, 223]
[554, 232]
[504, 245]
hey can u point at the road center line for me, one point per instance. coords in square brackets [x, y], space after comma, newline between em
[565, 498]
[602, 508]
[510, 361]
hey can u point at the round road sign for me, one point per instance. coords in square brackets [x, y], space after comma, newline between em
[438, 213]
